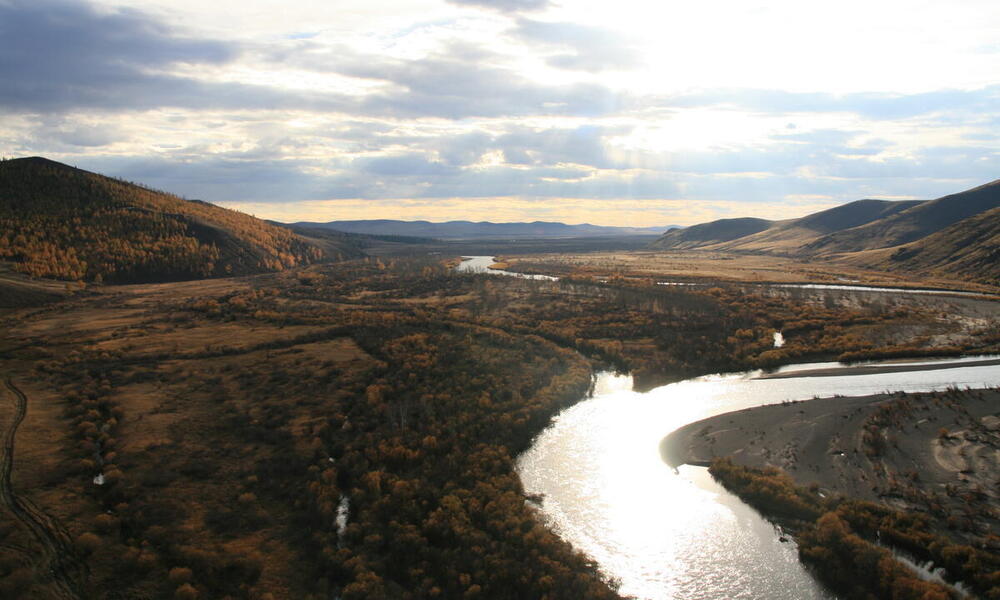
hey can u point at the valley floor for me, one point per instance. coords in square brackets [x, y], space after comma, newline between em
[708, 267]
[229, 418]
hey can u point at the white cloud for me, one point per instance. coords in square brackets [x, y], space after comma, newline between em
[536, 105]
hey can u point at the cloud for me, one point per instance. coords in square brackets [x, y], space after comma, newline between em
[456, 107]
[969, 164]
[55, 53]
[220, 178]
[592, 49]
[459, 80]
[411, 164]
[68, 132]
[506, 6]
[585, 145]
[880, 106]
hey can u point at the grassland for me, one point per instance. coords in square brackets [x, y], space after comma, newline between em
[709, 267]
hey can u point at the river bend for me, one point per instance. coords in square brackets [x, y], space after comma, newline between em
[668, 535]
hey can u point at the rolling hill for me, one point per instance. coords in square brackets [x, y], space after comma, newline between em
[57, 221]
[911, 224]
[778, 237]
[790, 236]
[464, 230]
[969, 249]
[712, 233]
[952, 236]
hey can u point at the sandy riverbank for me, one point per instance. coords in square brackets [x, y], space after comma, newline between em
[877, 369]
[912, 450]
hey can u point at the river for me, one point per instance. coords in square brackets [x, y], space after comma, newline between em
[668, 535]
[481, 264]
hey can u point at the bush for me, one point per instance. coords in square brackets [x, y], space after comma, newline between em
[186, 592]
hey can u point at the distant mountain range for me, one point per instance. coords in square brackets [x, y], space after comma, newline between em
[953, 236]
[465, 230]
[60, 222]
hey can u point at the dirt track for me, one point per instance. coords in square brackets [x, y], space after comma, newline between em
[58, 558]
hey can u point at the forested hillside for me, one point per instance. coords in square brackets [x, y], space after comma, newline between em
[60, 222]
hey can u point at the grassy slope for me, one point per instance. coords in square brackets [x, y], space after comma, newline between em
[791, 236]
[955, 236]
[968, 249]
[912, 224]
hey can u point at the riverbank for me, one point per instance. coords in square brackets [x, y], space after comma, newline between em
[933, 452]
[878, 369]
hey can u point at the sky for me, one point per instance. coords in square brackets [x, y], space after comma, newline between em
[630, 113]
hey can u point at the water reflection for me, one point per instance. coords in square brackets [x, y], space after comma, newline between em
[481, 264]
[668, 535]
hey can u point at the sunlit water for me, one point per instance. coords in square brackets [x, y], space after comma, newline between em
[680, 535]
[481, 264]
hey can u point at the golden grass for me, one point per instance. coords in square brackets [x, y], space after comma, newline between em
[708, 266]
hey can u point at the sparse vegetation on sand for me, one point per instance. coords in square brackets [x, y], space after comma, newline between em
[850, 544]
[858, 477]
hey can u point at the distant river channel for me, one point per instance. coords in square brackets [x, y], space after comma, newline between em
[481, 264]
[605, 488]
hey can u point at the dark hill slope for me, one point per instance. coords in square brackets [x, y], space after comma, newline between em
[969, 249]
[707, 234]
[854, 214]
[789, 236]
[61, 222]
[911, 224]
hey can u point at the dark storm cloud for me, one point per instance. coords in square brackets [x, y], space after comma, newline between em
[506, 6]
[57, 54]
[592, 49]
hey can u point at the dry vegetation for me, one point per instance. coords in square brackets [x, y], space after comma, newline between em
[705, 266]
[230, 419]
[847, 542]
